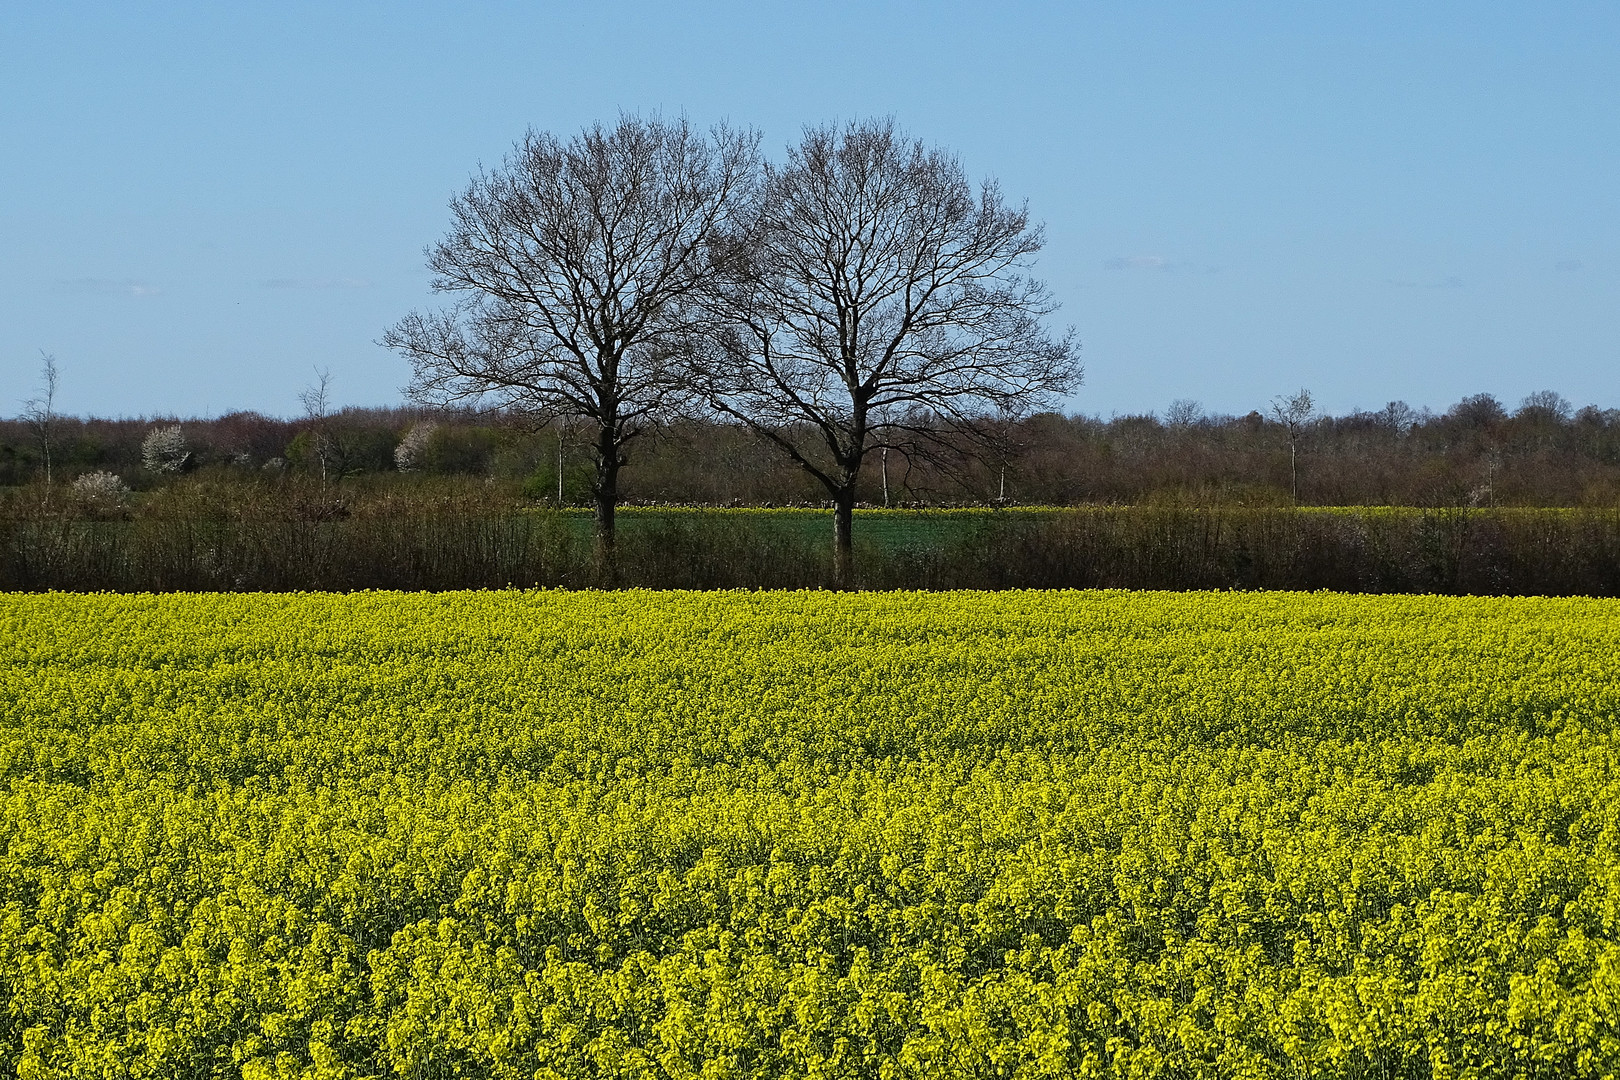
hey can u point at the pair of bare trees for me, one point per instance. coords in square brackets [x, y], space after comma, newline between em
[860, 296]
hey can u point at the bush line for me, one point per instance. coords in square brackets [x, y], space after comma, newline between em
[1452, 551]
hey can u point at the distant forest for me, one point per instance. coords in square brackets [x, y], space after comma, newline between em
[1545, 452]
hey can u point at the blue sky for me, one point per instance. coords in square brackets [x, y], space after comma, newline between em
[202, 203]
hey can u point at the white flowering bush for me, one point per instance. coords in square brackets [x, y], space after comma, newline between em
[100, 491]
[164, 449]
[412, 449]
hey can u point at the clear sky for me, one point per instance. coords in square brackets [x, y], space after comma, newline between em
[202, 203]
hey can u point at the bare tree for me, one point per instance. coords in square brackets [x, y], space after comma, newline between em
[1547, 407]
[1293, 413]
[39, 413]
[877, 300]
[1184, 413]
[1399, 418]
[317, 402]
[576, 263]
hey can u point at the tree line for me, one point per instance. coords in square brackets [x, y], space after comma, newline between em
[1478, 452]
[648, 312]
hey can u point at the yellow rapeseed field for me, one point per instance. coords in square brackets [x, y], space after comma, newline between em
[639, 834]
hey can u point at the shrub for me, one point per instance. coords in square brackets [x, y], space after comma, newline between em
[100, 490]
[164, 450]
[412, 449]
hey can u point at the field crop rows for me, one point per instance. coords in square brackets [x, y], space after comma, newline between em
[542, 834]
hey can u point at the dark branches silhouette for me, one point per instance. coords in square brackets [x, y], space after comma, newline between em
[576, 265]
[876, 300]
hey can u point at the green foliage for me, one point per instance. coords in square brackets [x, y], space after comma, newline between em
[347, 450]
[302, 451]
[18, 462]
[577, 477]
[366, 449]
[451, 450]
[808, 834]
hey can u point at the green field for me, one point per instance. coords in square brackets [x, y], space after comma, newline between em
[808, 834]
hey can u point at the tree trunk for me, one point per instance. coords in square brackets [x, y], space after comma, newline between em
[843, 548]
[607, 501]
